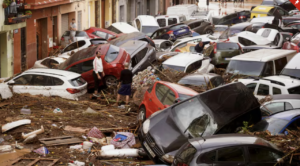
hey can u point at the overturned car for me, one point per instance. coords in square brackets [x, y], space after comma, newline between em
[217, 111]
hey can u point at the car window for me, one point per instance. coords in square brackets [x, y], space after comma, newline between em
[40, 80]
[295, 90]
[154, 35]
[172, 21]
[277, 39]
[113, 29]
[180, 46]
[266, 33]
[23, 80]
[112, 53]
[194, 66]
[161, 22]
[160, 91]
[227, 46]
[165, 45]
[74, 45]
[275, 107]
[192, 49]
[82, 67]
[81, 34]
[294, 125]
[208, 158]
[169, 98]
[77, 81]
[245, 41]
[251, 87]
[263, 90]
[276, 91]
[217, 81]
[268, 69]
[140, 55]
[57, 81]
[192, 25]
[103, 35]
[230, 154]
[263, 155]
[279, 64]
[182, 18]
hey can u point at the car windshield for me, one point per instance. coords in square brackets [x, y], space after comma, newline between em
[148, 30]
[112, 53]
[273, 125]
[295, 90]
[177, 68]
[249, 68]
[229, 33]
[291, 72]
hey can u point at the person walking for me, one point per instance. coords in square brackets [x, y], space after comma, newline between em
[200, 47]
[98, 73]
[73, 29]
[125, 84]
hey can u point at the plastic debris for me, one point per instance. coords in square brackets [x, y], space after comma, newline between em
[15, 124]
[108, 147]
[120, 153]
[25, 110]
[90, 111]
[76, 147]
[43, 151]
[76, 163]
[144, 78]
[36, 132]
[87, 145]
[57, 110]
[6, 148]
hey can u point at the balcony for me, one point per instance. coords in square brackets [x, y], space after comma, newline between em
[17, 17]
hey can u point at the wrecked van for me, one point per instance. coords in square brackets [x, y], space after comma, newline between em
[217, 111]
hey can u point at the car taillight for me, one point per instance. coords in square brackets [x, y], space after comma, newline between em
[170, 32]
[177, 50]
[240, 48]
[262, 27]
[242, 17]
[215, 49]
[72, 91]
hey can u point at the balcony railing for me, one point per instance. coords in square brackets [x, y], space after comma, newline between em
[14, 18]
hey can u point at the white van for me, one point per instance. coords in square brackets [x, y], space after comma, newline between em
[292, 69]
[188, 10]
[145, 24]
[167, 20]
[121, 27]
[260, 63]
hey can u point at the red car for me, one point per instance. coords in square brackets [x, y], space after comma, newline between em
[294, 44]
[113, 60]
[101, 33]
[161, 95]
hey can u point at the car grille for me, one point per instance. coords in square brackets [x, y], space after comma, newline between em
[156, 149]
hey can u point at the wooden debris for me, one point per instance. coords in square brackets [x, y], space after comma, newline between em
[64, 140]
[35, 161]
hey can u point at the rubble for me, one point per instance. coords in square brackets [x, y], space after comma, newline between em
[15, 124]
[36, 132]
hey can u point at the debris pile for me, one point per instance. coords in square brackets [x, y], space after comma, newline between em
[144, 78]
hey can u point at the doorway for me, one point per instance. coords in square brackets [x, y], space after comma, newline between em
[102, 13]
[23, 50]
[41, 33]
[122, 13]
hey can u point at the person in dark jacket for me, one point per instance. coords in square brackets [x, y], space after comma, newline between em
[125, 84]
[200, 47]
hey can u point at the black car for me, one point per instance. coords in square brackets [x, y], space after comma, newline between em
[172, 32]
[218, 111]
[285, 4]
[200, 26]
[131, 36]
[233, 18]
[228, 150]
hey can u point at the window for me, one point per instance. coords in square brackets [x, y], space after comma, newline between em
[246, 42]
[74, 45]
[295, 90]
[251, 87]
[261, 155]
[77, 81]
[160, 91]
[274, 107]
[198, 125]
[40, 80]
[276, 40]
[192, 25]
[170, 98]
[172, 21]
[194, 66]
[263, 90]
[276, 91]
[231, 154]
[161, 22]
[294, 125]
[279, 64]
[57, 81]
[154, 35]
[101, 34]
[268, 69]
[112, 53]
[23, 80]
[82, 67]
[177, 27]
[113, 29]
[185, 154]
[227, 46]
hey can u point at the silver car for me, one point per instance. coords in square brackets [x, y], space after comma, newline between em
[80, 35]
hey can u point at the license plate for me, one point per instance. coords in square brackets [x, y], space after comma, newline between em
[182, 31]
[149, 150]
[227, 59]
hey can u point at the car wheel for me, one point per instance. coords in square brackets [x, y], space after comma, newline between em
[111, 81]
[142, 114]
[209, 31]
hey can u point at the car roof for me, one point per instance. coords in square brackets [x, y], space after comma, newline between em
[266, 19]
[180, 89]
[240, 25]
[263, 55]
[126, 28]
[192, 21]
[133, 46]
[226, 140]
[285, 97]
[259, 40]
[147, 20]
[54, 72]
[102, 30]
[294, 63]
[286, 115]
[183, 59]
[286, 80]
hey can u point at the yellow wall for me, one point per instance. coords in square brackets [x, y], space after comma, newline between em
[117, 11]
[92, 13]
[108, 11]
[6, 53]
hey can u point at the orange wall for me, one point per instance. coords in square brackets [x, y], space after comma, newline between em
[17, 52]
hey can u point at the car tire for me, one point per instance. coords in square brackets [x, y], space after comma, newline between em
[111, 81]
[209, 31]
[142, 114]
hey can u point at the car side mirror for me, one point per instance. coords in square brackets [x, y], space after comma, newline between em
[11, 82]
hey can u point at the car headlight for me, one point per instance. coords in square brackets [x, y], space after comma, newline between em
[168, 158]
[146, 126]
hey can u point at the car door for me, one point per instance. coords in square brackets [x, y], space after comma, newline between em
[262, 156]
[54, 87]
[263, 91]
[230, 156]
[85, 68]
[198, 28]
[40, 85]
[157, 97]
[22, 83]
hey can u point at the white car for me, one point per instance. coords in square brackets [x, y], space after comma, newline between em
[267, 37]
[50, 62]
[46, 82]
[272, 85]
[145, 24]
[292, 68]
[280, 103]
[162, 44]
[166, 20]
[122, 27]
[186, 62]
[195, 39]
[267, 19]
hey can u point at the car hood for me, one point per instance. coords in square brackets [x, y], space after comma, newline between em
[224, 104]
